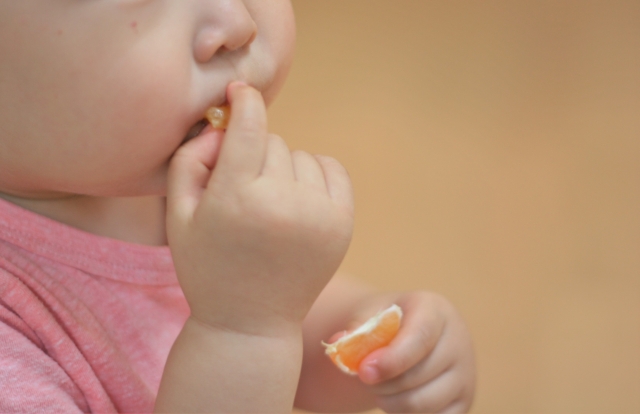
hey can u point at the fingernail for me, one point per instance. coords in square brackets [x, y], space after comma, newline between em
[369, 373]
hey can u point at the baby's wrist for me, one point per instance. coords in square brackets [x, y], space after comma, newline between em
[214, 368]
[247, 326]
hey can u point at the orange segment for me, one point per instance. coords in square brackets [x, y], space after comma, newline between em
[218, 116]
[349, 351]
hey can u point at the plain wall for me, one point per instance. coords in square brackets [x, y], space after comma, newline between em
[494, 148]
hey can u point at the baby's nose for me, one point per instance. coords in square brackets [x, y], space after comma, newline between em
[224, 25]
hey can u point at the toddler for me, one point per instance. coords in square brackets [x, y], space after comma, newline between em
[148, 261]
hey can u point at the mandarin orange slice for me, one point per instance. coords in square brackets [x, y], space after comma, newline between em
[349, 351]
[218, 116]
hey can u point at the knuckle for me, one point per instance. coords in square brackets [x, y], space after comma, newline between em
[323, 158]
[275, 137]
[334, 166]
[301, 155]
[330, 162]
[391, 365]
[426, 336]
[387, 404]
[277, 140]
[413, 404]
[401, 404]
[326, 158]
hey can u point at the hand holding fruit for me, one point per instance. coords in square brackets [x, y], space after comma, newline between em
[428, 366]
[257, 231]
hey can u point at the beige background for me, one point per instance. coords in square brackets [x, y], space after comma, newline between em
[495, 152]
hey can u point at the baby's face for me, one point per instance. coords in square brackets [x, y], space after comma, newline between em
[96, 95]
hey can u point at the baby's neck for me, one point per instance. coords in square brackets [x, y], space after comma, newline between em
[138, 220]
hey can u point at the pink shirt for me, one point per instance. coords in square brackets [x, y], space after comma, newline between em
[86, 322]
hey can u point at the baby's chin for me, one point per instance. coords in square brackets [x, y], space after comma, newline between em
[137, 184]
[57, 187]
[155, 186]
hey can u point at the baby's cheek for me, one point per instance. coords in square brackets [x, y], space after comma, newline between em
[149, 108]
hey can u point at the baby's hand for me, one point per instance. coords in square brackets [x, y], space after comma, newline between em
[256, 238]
[429, 366]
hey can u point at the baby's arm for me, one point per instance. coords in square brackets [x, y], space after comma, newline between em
[254, 241]
[322, 387]
[220, 370]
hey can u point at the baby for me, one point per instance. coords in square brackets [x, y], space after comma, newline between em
[148, 261]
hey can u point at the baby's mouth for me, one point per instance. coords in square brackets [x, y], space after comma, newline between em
[216, 116]
[196, 129]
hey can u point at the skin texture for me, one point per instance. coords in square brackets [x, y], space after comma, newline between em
[97, 141]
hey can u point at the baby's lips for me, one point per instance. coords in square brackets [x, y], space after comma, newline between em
[219, 116]
[207, 129]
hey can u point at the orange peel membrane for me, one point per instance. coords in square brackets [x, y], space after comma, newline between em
[218, 116]
[349, 351]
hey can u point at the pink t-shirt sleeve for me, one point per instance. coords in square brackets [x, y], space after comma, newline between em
[86, 322]
[31, 380]
[42, 368]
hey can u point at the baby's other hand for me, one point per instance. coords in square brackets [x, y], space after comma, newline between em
[256, 238]
[429, 366]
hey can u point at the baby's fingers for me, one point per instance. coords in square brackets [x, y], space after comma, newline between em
[337, 180]
[244, 148]
[440, 395]
[189, 171]
[278, 162]
[417, 338]
[423, 372]
[308, 171]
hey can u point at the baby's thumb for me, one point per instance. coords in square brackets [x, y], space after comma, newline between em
[189, 171]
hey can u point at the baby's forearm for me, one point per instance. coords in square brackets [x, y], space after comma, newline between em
[217, 370]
